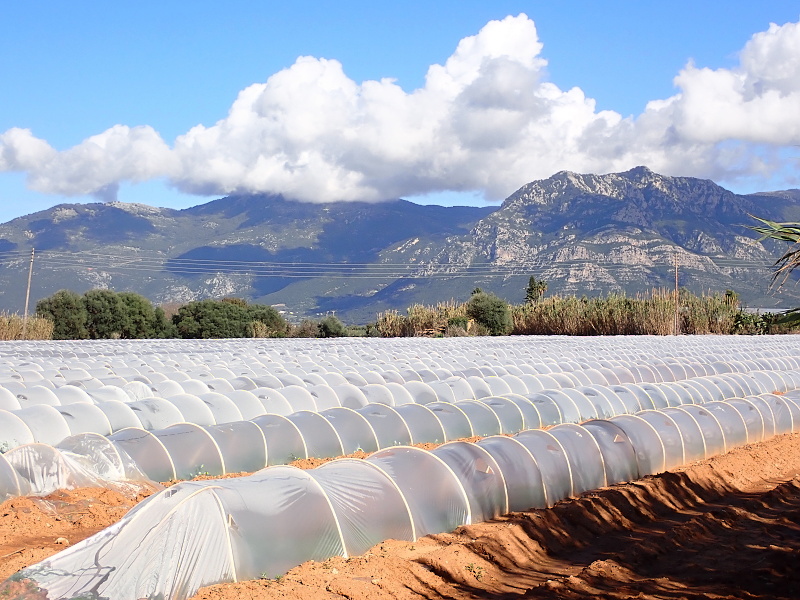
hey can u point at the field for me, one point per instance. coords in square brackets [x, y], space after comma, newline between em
[614, 515]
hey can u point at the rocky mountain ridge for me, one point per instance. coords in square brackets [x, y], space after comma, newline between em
[583, 233]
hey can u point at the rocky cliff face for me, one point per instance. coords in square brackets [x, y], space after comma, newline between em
[584, 234]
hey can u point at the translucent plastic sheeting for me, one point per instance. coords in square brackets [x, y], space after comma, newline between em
[713, 435]
[605, 404]
[354, 430]
[192, 449]
[321, 438]
[423, 423]
[10, 483]
[156, 413]
[193, 409]
[434, 494]
[36, 395]
[585, 406]
[753, 420]
[102, 457]
[671, 436]
[324, 397]
[47, 425]
[781, 412]
[510, 415]
[530, 416]
[484, 420]
[630, 400]
[552, 461]
[299, 398]
[480, 476]
[285, 442]
[166, 538]
[523, 479]
[584, 456]
[247, 403]
[733, 426]
[389, 427]
[46, 469]
[147, 451]
[368, 505]
[567, 410]
[694, 444]
[13, 431]
[223, 408]
[70, 394]
[549, 411]
[455, 422]
[379, 394]
[619, 456]
[8, 401]
[650, 452]
[421, 392]
[350, 396]
[273, 401]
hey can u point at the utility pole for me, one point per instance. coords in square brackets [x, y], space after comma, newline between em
[28, 297]
[677, 324]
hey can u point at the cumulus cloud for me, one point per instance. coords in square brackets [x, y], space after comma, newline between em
[487, 120]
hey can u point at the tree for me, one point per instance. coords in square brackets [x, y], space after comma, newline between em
[68, 314]
[331, 326]
[225, 319]
[786, 264]
[535, 290]
[491, 312]
[106, 314]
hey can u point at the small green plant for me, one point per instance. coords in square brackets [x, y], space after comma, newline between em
[199, 471]
[476, 570]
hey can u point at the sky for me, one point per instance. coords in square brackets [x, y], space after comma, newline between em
[453, 102]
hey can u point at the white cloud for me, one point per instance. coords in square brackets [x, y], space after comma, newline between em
[486, 120]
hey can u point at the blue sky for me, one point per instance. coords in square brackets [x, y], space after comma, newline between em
[73, 70]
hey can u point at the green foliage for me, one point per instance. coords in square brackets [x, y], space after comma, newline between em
[105, 314]
[491, 312]
[535, 290]
[205, 319]
[67, 312]
[331, 326]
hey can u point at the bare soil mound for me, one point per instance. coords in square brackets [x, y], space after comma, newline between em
[728, 527]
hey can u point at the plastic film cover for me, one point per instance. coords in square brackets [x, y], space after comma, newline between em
[147, 452]
[241, 444]
[781, 412]
[619, 457]
[223, 408]
[584, 456]
[454, 420]
[13, 432]
[273, 401]
[650, 452]
[549, 411]
[530, 416]
[552, 460]
[285, 442]
[754, 422]
[521, 473]
[247, 403]
[389, 427]
[434, 494]
[733, 426]
[671, 436]
[709, 425]
[511, 417]
[367, 503]
[47, 425]
[423, 423]
[156, 413]
[354, 430]
[174, 557]
[483, 419]
[85, 418]
[320, 437]
[193, 409]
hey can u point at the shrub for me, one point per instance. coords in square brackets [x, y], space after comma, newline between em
[67, 312]
[491, 312]
[330, 327]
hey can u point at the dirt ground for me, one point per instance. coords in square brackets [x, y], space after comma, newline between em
[728, 527]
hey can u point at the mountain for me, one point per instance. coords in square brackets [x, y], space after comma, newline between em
[584, 234]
